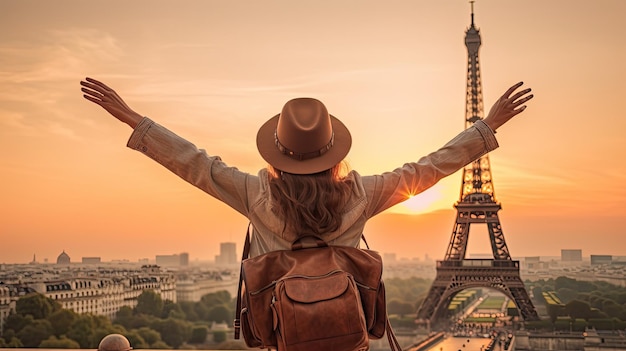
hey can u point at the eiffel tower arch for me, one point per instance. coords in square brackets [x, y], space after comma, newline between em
[477, 205]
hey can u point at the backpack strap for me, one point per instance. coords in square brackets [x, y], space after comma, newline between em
[244, 255]
[391, 337]
[365, 241]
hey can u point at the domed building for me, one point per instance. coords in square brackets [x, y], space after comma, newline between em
[63, 258]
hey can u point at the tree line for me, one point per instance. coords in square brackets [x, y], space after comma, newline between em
[40, 321]
[576, 305]
[162, 324]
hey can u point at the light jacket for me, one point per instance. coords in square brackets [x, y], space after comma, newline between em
[249, 194]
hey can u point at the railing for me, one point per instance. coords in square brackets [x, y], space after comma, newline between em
[477, 263]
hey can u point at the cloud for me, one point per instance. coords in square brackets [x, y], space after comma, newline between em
[56, 56]
[61, 130]
[35, 76]
[561, 187]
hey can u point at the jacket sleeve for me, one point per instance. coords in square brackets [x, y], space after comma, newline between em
[390, 188]
[194, 165]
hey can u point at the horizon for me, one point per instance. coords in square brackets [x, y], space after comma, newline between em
[398, 259]
[394, 73]
[194, 261]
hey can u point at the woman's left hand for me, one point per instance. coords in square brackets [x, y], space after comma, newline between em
[99, 93]
[507, 106]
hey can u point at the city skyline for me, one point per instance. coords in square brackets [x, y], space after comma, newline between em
[394, 73]
[154, 258]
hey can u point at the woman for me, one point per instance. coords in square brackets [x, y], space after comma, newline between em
[303, 190]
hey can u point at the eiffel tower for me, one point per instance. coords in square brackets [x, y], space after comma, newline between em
[477, 204]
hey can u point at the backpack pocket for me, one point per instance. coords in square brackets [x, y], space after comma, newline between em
[252, 340]
[319, 312]
[256, 318]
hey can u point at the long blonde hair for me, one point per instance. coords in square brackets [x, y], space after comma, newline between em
[311, 204]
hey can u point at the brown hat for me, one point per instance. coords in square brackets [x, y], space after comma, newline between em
[304, 138]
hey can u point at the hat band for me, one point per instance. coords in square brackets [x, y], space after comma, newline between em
[303, 156]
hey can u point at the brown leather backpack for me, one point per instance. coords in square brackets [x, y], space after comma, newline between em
[315, 298]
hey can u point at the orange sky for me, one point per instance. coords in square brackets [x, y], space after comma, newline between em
[394, 72]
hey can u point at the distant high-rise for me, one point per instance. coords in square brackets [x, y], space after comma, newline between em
[228, 254]
[91, 260]
[167, 260]
[601, 259]
[571, 255]
[184, 259]
[181, 259]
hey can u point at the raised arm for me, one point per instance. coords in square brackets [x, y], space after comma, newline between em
[507, 106]
[99, 93]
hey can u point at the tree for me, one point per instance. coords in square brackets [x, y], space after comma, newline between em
[172, 309]
[409, 289]
[124, 316]
[59, 343]
[219, 336]
[612, 308]
[199, 334]
[36, 305]
[189, 309]
[16, 322]
[8, 334]
[136, 340]
[173, 331]
[124, 312]
[186, 346]
[621, 297]
[150, 335]
[160, 345]
[578, 309]
[82, 331]
[400, 308]
[141, 320]
[220, 313]
[150, 303]
[201, 310]
[14, 342]
[596, 300]
[103, 322]
[61, 321]
[33, 334]
[579, 286]
[554, 311]
[596, 313]
[217, 298]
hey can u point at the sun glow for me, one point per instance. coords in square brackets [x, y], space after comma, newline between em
[423, 202]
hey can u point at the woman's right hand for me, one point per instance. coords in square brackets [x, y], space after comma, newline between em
[507, 106]
[99, 93]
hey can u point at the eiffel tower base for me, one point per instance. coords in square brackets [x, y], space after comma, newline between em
[456, 276]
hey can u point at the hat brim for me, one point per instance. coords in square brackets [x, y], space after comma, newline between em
[266, 145]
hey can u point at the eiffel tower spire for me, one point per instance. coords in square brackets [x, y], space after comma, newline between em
[477, 205]
[477, 175]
